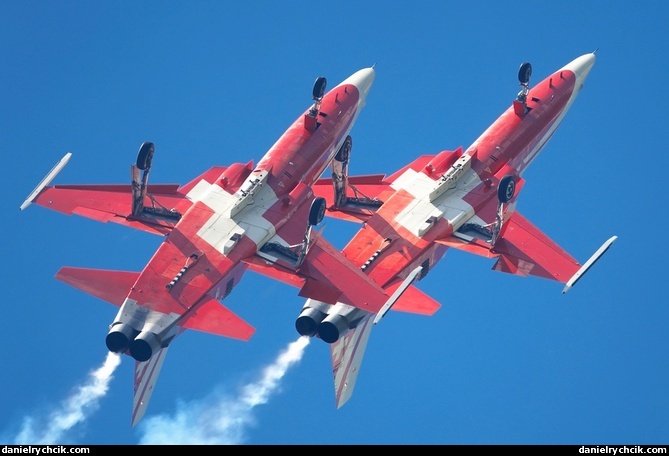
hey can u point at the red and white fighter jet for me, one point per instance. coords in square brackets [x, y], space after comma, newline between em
[454, 199]
[215, 227]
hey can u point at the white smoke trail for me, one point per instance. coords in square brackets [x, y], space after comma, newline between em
[221, 420]
[73, 410]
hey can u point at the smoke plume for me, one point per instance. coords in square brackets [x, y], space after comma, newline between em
[221, 419]
[71, 411]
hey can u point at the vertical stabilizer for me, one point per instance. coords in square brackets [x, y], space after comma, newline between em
[146, 374]
[347, 355]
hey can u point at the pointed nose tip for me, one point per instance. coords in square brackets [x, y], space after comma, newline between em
[582, 66]
[365, 80]
[362, 80]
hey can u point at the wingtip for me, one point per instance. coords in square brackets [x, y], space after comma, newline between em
[588, 264]
[47, 180]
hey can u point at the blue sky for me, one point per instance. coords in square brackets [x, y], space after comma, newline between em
[506, 360]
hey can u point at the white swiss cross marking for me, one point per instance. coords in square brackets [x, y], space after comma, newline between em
[250, 221]
[451, 206]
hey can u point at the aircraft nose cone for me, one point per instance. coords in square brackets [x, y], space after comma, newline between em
[582, 66]
[365, 78]
[362, 80]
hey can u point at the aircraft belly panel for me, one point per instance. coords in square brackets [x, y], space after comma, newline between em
[198, 191]
[456, 212]
[218, 230]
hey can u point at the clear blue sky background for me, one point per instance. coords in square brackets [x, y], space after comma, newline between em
[506, 360]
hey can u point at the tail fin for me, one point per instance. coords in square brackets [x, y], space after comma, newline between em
[346, 355]
[146, 374]
[211, 317]
[348, 351]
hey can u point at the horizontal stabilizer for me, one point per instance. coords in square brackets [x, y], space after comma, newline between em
[413, 301]
[327, 271]
[213, 317]
[113, 287]
[274, 271]
[326, 276]
[413, 275]
[110, 286]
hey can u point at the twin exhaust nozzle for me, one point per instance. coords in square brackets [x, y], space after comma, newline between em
[328, 322]
[141, 345]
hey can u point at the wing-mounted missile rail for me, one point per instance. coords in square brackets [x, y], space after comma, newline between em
[588, 264]
[140, 187]
[51, 175]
